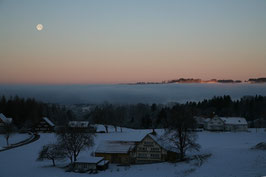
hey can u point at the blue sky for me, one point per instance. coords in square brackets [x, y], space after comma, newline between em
[122, 41]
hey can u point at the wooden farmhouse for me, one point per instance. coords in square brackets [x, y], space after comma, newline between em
[45, 125]
[150, 149]
[155, 149]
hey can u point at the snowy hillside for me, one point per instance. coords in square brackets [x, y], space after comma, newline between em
[231, 156]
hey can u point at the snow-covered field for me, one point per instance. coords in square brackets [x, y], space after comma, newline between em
[231, 156]
[15, 138]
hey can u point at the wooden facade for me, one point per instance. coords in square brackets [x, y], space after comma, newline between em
[119, 158]
[148, 150]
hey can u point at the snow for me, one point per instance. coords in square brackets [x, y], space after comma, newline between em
[234, 120]
[5, 119]
[15, 138]
[78, 124]
[103, 162]
[89, 159]
[231, 156]
[121, 147]
[48, 121]
[165, 143]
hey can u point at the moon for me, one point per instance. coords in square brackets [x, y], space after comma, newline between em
[39, 27]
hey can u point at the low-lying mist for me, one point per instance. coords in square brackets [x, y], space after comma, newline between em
[130, 94]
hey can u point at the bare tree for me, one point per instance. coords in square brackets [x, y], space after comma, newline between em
[73, 142]
[180, 130]
[51, 152]
[8, 128]
[103, 114]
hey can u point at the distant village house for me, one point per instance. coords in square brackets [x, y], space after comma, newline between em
[45, 125]
[81, 126]
[222, 123]
[3, 121]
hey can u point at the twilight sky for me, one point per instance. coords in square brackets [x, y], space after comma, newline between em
[114, 41]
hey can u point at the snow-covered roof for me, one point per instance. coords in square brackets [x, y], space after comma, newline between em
[164, 143]
[90, 159]
[121, 147]
[234, 120]
[78, 124]
[48, 121]
[5, 119]
[103, 162]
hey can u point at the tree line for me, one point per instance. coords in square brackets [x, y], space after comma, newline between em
[28, 112]
[156, 115]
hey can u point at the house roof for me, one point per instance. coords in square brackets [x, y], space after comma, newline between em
[90, 159]
[164, 143]
[120, 147]
[48, 121]
[5, 119]
[234, 120]
[78, 124]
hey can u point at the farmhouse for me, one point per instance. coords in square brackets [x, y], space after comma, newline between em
[235, 124]
[90, 164]
[150, 149]
[226, 124]
[215, 124]
[4, 120]
[155, 149]
[45, 125]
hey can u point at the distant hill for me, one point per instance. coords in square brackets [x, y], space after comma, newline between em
[257, 80]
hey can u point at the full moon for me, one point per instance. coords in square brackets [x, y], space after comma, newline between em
[39, 27]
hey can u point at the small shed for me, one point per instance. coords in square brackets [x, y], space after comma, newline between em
[90, 164]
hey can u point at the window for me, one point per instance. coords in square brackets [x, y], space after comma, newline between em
[155, 149]
[142, 155]
[155, 156]
[142, 149]
[148, 143]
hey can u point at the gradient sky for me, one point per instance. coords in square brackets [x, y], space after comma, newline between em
[114, 41]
